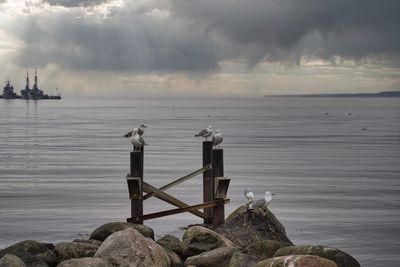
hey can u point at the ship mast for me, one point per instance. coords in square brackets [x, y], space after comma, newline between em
[27, 80]
[35, 86]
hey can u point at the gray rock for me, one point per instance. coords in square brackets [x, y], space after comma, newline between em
[172, 243]
[89, 241]
[297, 261]
[264, 249]
[341, 258]
[84, 262]
[198, 239]
[71, 250]
[130, 248]
[243, 260]
[9, 260]
[176, 260]
[33, 253]
[218, 257]
[243, 227]
[103, 231]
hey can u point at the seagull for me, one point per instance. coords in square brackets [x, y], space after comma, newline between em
[249, 194]
[137, 140]
[262, 203]
[141, 129]
[217, 138]
[205, 132]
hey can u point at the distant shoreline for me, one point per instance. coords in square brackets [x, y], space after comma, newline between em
[380, 94]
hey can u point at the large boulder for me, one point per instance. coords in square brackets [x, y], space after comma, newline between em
[244, 227]
[264, 249]
[341, 258]
[89, 241]
[176, 260]
[9, 260]
[71, 250]
[297, 261]
[243, 260]
[33, 253]
[172, 243]
[103, 231]
[130, 248]
[217, 257]
[84, 262]
[198, 239]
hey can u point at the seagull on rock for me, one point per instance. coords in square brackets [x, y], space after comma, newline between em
[217, 138]
[249, 194]
[141, 129]
[137, 140]
[205, 132]
[262, 203]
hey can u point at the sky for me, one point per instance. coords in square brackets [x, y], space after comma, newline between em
[201, 47]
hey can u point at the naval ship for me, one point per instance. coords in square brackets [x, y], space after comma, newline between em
[27, 93]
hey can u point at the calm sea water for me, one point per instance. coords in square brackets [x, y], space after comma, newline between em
[63, 165]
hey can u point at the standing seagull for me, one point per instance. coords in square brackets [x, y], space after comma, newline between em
[205, 132]
[263, 203]
[137, 140]
[217, 138]
[141, 129]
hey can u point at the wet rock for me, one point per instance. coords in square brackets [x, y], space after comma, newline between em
[103, 231]
[130, 248]
[198, 239]
[244, 227]
[9, 260]
[33, 253]
[264, 249]
[71, 250]
[172, 243]
[217, 257]
[297, 261]
[243, 260]
[84, 262]
[341, 258]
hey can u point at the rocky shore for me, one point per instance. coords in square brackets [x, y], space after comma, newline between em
[246, 239]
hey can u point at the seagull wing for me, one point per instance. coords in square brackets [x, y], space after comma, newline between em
[129, 134]
[202, 132]
[142, 141]
[259, 203]
[140, 131]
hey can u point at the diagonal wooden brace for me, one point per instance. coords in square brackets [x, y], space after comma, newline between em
[170, 199]
[180, 180]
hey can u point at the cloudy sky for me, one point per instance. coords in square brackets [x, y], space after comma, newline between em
[202, 47]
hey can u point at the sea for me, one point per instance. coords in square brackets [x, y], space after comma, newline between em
[333, 164]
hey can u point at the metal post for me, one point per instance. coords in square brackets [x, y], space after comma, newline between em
[218, 215]
[208, 183]
[135, 185]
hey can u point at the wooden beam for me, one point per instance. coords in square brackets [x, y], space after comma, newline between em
[210, 204]
[170, 199]
[180, 180]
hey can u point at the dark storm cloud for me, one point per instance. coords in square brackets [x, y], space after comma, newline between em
[75, 3]
[283, 28]
[196, 35]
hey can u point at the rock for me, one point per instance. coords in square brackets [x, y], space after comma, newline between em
[198, 239]
[176, 260]
[243, 260]
[264, 249]
[33, 253]
[102, 232]
[341, 258]
[243, 227]
[217, 257]
[130, 248]
[89, 241]
[297, 261]
[172, 243]
[71, 250]
[9, 260]
[84, 262]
